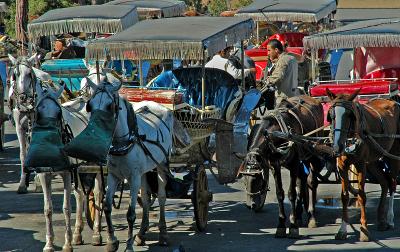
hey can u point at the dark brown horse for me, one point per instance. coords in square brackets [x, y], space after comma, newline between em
[363, 134]
[296, 115]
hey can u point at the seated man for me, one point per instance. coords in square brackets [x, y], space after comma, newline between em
[283, 75]
[220, 61]
[61, 51]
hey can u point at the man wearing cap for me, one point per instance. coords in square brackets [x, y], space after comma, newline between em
[283, 77]
[220, 61]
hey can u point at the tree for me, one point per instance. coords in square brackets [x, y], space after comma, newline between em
[21, 23]
[215, 7]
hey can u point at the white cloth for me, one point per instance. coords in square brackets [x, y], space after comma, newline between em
[221, 63]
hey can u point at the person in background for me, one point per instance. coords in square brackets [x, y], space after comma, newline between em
[220, 61]
[249, 64]
[283, 75]
[61, 51]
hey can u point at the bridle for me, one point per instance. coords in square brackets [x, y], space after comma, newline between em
[348, 106]
[24, 102]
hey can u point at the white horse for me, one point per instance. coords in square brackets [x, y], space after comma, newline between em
[48, 108]
[143, 154]
[21, 102]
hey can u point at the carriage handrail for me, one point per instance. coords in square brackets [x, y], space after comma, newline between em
[354, 81]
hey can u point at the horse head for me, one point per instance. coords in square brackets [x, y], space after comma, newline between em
[342, 117]
[47, 105]
[96, 77]
[23, 79]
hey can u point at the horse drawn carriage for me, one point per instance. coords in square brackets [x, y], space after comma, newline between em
[85, 22]
[202, 94]
[291, 22]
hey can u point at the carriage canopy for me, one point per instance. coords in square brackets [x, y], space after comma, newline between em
[310, 11]
[159, 8]
[91, 18]
[182, 38]
[370, 33]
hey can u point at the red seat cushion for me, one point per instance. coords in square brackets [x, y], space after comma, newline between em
[367, 87]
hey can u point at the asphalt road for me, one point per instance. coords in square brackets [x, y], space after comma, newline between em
[232, 227]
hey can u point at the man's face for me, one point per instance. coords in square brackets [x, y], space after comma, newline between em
[273, 53]
[58, 46]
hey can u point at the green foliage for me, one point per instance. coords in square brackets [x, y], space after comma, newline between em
[195, 4]
[217, 6]
[36, 8]
[241, 3]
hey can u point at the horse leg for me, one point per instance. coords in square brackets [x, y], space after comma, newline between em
[24, 179]
[77, 235]
[280, 195]
[381, 213]
[67, 211]
[292, 195]
[312, 184]
[131, 214]
[162, 198]
[112, 241]
[342, 232]
[362, 199]
[395, 165]
[97, 239]
[45, 179]
[140, 239]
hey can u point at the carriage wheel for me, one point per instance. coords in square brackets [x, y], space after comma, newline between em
[90, 209]
[201, 198]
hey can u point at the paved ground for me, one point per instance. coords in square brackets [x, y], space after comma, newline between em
[232, 227]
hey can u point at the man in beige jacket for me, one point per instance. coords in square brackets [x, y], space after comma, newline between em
[283, 77]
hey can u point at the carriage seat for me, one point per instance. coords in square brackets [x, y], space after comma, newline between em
[368, 87]
[220, 86]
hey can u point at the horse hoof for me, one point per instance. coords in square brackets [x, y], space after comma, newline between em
[77, 239]
[22, 190]
[280, 232]
[67, 248]
[391, 226]
[97, 240]
[364, 235]
[341, 236]
[112, 246]
[140, 240]
[129, 247]
[294, 233]
[48, 249]
[312, 223]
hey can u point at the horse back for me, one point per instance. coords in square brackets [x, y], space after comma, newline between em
[382, 116]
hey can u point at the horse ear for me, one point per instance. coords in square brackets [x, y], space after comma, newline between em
[116, 87]
[106, 61]
[12, 59]
[354, 95]
[91, 84]
[59, 91]
[331, 95]
[33, 59]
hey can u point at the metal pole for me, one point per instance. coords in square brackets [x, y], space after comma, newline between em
[313, 72]
[98, 71]
[242, 62]
[203, 81]
[258, 32]
[140, 73]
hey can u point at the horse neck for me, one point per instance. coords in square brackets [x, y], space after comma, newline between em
[77, 121]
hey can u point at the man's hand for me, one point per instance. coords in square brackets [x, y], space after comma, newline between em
[266, 86]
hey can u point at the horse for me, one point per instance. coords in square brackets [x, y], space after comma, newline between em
[296, 115]
[369, 128]
[21, 103]
[141, 142]
[50, 119]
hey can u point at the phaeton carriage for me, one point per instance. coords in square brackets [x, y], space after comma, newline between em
[88, 20]
[301, 18]
[200, 100]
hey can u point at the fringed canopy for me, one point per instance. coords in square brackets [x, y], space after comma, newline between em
[371, 33]
[90, 18]
[310, 11]
[182, 37]
[159, 8]
[346, 16]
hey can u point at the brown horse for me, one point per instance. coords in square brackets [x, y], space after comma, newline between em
[297, 115]
[363, 134]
